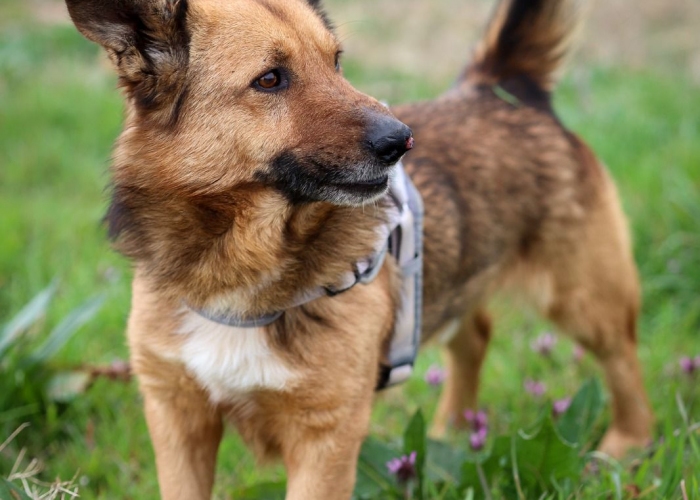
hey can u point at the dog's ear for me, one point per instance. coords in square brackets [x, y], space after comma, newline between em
[148, 43]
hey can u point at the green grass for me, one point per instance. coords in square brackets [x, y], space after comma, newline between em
[59, 113]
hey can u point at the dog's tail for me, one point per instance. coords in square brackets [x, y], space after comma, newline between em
[528, 38]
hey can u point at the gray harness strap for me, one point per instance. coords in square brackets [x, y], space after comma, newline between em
[405, 244]
[237, 321]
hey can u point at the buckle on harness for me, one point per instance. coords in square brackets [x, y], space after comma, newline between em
[363, 272]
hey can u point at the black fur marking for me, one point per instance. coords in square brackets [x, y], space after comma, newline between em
[307, 179]
[120, 214]
[316, 5]
[152, 92]
[177, 108]
[527, 92]
[520, 13]
[300, 180]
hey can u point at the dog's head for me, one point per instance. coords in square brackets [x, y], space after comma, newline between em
[237, 92]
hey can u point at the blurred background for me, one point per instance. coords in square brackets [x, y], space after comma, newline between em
[632, 91]
[430, 40]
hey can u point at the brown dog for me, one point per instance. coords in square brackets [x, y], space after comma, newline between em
[237, 185]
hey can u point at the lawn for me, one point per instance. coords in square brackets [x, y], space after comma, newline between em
[59, 114]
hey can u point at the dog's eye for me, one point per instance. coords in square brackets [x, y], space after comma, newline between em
[270, 81]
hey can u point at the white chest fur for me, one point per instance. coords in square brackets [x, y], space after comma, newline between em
[230, 361]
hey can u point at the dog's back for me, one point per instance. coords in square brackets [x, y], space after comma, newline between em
[491, 150]
[516, 201]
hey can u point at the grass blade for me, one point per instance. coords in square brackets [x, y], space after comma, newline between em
[26, 317]
[66, 328]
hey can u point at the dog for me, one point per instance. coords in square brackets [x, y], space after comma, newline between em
[249, 171]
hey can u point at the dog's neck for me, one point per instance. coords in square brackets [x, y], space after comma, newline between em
[248, 250]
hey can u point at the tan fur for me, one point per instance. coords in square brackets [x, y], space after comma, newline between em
[513, 201]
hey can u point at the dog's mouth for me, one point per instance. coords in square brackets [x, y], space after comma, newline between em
[369, 186]
[308, 178]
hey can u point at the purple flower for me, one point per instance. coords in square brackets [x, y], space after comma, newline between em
[535, 388]
[435, 375]
[403, 468]
[544, 344]
[560, 406]
[478, 420]
[689, 365]
[479, 423]
[578, 353]
[478, 439]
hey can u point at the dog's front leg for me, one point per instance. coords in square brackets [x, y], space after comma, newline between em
[185, 431]
[321, 465]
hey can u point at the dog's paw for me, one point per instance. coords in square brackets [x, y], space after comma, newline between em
[617, 444]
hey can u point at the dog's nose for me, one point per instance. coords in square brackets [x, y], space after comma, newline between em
[388, 139]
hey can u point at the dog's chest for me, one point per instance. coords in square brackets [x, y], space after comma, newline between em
[229, 361]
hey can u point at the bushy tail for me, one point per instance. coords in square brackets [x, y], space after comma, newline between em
[526, 38]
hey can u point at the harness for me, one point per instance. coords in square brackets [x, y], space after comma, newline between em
[402, 237]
